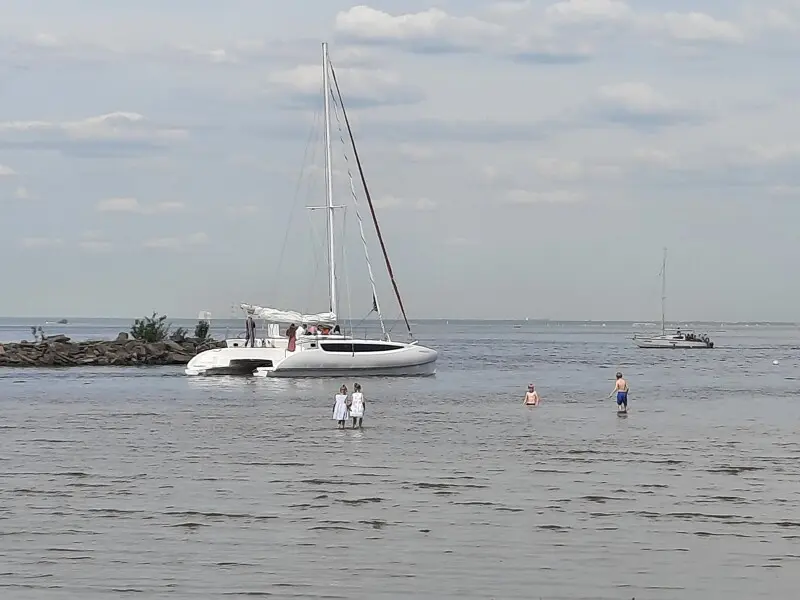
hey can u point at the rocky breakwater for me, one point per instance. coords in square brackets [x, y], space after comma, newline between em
[60, 351]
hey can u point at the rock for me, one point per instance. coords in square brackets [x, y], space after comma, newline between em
[59, 351]
[174, 346]
[122, 337]
[60, 338]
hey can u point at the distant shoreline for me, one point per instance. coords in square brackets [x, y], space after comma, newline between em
[52, 321]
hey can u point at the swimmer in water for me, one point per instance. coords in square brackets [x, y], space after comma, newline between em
[531, 396]
[621, 390]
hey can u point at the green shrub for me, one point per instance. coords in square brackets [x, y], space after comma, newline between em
[201, 330]
[151, 329]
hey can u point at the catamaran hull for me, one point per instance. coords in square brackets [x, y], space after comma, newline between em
[408, 361]
[421, 370]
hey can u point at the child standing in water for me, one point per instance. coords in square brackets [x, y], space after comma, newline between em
[621, 390]
[340, 412]
[531, 396]
[357, 405]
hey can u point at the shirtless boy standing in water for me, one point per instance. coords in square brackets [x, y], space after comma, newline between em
[531, 396]
[621, 389]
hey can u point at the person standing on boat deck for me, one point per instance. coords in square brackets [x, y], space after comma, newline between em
[357, 405]
[302, 330]
[291, 333]
[531, 396]
[340, 412]
[250, 331]
[621, 389]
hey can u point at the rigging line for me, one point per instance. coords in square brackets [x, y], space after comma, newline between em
[376, 306]
[346, 275]
[296, 192]
[369, 201]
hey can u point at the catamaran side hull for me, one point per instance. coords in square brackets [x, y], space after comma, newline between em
[404, 360]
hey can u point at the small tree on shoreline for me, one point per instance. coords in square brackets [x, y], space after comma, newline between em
[201, 330]
[151, 329]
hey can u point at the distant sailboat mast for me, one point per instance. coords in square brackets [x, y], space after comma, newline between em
[663, 292]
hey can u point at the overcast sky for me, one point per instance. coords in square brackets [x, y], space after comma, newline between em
[526, 158]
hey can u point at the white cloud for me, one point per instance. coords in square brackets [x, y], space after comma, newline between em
[634, 97]
[698, 27]
[6, 171]
[109, 127]
[360, 85]
[132, 205]
[583, 11]
[639, 104]
[520, 196]
[177, 243]
[22, 193]
[41, 242]
[432, 29]
[435, 31]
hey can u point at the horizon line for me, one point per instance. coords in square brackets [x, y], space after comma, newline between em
[422, 319]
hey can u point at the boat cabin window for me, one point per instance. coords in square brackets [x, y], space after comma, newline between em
[350, 348]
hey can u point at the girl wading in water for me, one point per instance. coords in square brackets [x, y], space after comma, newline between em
[340, 412]
[357, 405]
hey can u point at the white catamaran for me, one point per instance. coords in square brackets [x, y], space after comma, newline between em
[677, 338]
[327, 352]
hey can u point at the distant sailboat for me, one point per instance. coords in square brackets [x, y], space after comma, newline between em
[676, 338]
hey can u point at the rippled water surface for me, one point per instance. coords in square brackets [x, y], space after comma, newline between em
[147, 483]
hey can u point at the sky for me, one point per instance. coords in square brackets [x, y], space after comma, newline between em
[526, 159]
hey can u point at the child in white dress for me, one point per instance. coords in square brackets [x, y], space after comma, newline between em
[357, 404]
[340, 412]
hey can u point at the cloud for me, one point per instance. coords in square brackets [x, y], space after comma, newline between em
[430, 31]
[22, 193]
[41, 242]
[590, 16]
[176, 243]
[435, 32]
[583, 11]
[416, 204]
[361, 87]
[99, 135]
[524, 197]
[132, 205]
[437, 130]
[6, 171]
[698, 27]
[638, 104]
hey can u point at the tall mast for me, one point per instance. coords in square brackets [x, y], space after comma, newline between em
[329, 181]
[663, 291]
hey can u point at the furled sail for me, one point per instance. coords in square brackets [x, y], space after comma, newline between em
[275, 315]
